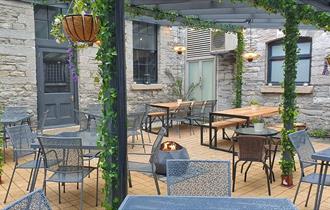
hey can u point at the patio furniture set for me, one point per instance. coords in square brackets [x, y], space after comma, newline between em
[199, 182]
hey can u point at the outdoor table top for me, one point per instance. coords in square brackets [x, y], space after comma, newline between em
[205, 203]
[250, 111]
[323, 155]
[168, 105]
[13, 117]
[252, 131]
[88, 139]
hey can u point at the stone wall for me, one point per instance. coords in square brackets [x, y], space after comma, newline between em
[17, 55]
[225, 65]
[137, 95]
[315, 107]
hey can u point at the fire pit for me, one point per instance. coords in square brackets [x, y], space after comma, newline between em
[169, 150]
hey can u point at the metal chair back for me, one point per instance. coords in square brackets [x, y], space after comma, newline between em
[251, 148]
[43, 121]
[16, 109]
[83, 121]
[156, 144]
[62, 153]
[33, 201]
[183, 110]
[209, 106]
[21, 138]
[134, 121]
[197, 108]
[303, 147]
[198, 178]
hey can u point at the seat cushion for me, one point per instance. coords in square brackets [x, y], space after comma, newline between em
[140, 167]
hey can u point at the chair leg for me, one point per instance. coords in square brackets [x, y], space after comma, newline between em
[234, 175]
[295, 196]
[246, 171]
[28, 185]
[59, 192]
[129, 179]
[179, 129]
[97, 186]
[156, 183]
[309, 192]
[10, 182]
[82, 194]
[142, 139]
[149, 137]
[268, 178]
[242, 166]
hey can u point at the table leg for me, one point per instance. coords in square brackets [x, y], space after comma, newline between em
[322, 185]
[210, 130]
[35, 172]
[316, 205]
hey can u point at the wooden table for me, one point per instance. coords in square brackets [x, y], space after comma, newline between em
[168, 106]
[247, 113]
[203, 203]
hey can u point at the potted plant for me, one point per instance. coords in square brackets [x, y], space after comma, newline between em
[254, 104]
[258, 124]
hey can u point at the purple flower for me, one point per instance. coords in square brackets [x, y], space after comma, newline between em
[71, 64]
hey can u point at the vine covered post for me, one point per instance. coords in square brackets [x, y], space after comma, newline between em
[289, 111]
[239, 69]
[113, 136]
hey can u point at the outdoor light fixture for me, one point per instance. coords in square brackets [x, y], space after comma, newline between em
[250, 55]
[180, 49]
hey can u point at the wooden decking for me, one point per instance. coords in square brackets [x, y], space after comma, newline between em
[143, 184]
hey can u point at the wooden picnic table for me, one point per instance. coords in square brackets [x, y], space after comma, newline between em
[167, 106]
[247, 113]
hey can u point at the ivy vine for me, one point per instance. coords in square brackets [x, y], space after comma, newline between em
[239, 69]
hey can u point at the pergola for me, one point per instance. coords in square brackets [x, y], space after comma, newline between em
[218, 11]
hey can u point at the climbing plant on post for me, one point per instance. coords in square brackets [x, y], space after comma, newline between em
[112, 96]
[289, 110]
[239, 69]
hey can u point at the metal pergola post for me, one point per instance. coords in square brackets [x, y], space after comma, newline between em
[118, 82]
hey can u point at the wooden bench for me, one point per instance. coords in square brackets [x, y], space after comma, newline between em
[223, 124]
[152, 116]
[280, 126]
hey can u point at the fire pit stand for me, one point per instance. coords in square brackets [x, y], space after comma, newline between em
[169, 150]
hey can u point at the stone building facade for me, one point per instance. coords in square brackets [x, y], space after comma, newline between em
[313, 98]
[18, 75]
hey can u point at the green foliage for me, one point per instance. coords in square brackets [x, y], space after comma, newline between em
[178, 89]
[173, 16]
[254, 102]
[319, 133]
[239, 69]
[257, 120]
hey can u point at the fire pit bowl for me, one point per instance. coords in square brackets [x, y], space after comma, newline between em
[168, 150]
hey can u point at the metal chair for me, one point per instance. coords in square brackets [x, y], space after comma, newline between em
[305, 149]
[63, 157]
[195, 115]
[144, 121]
[209, 106]
[198, 178]
[40, 130]
[251, 149]
[21, 138]
[181, 114]
[134, 128]
[33, 201]
[147, 167]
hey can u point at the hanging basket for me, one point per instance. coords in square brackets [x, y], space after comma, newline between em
[81, 28]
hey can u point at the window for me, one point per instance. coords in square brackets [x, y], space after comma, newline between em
[44, 18]
[144, 53]
[276, 60]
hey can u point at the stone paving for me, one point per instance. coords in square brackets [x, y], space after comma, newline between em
[143, 184]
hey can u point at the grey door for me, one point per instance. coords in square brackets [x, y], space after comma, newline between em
[55, 86]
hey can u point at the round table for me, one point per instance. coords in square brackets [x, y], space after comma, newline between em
[250, 131]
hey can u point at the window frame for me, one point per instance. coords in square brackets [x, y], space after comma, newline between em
[279, 42]
[156, 50]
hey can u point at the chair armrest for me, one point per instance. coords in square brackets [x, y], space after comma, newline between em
[310, 162]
